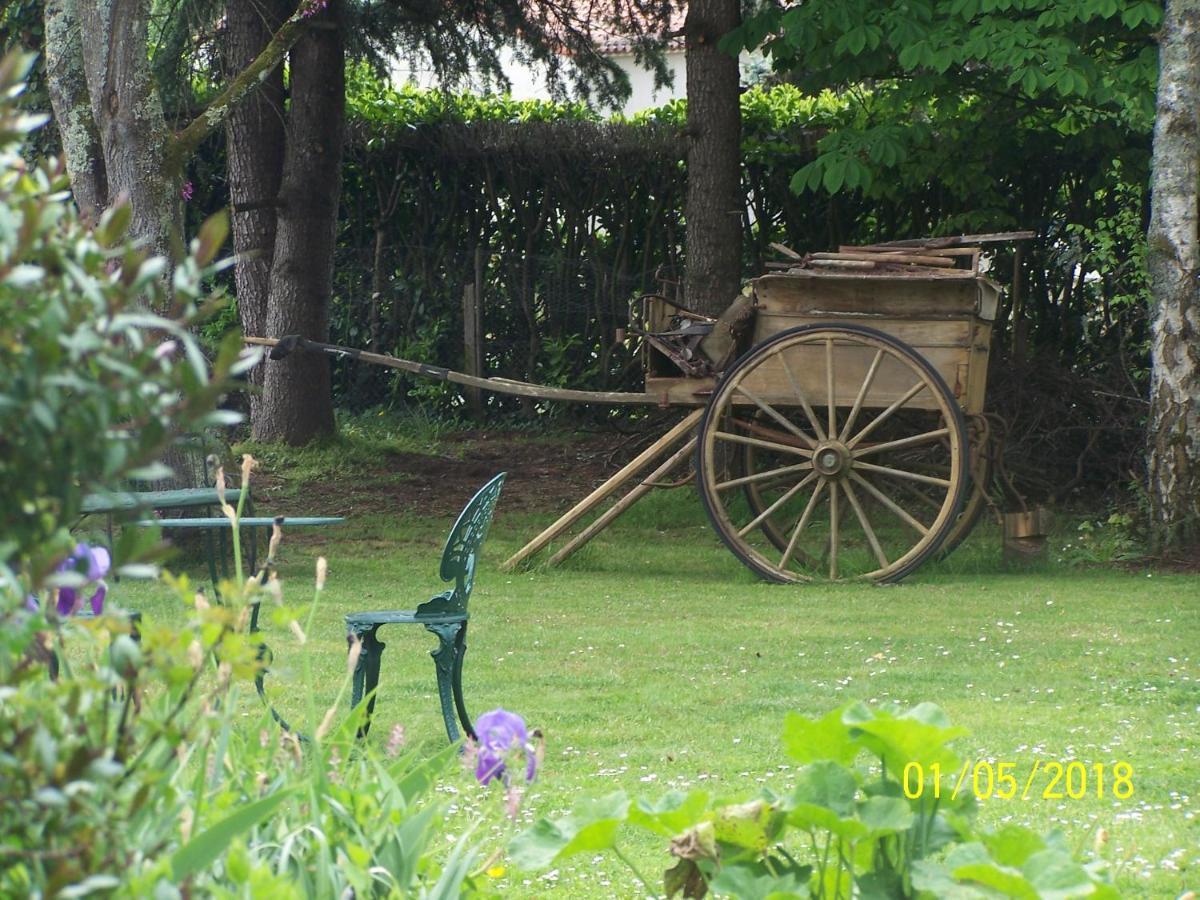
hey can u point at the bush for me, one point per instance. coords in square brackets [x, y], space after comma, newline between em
[124, 774]
[902, 829]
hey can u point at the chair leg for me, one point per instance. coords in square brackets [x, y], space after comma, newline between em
[366, 672]
[459, 703]
[445, 660]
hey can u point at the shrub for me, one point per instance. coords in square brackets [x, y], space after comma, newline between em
[841, 832]
[124, 775]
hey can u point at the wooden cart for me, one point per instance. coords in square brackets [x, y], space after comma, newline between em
[836, 429]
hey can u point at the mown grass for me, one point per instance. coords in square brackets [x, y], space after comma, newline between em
[652, 660]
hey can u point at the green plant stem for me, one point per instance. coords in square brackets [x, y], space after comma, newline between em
[634, 869]
[237, 534]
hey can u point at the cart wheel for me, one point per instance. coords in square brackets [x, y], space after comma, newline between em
[858, 463]
[980, 466]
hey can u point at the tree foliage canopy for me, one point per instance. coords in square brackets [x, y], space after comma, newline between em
[941, 87]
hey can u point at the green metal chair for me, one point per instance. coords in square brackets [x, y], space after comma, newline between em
[445, 616]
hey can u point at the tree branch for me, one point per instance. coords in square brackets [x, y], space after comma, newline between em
[215, 114]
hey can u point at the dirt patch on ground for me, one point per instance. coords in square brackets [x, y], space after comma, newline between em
[544, 473]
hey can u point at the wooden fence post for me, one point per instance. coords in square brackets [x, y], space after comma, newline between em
[472, 357]
[473, 335]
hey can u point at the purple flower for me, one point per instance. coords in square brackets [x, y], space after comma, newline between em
[93, 563]
[186, 191]
[501, 734]
[312, 7]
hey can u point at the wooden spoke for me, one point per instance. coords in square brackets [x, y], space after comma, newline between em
[771, 434]
[765, 445]
[924, 438]
[862, 395]
[889, 503]
[804, 404]
[787, 495]
[866, 525]
[886, 414]
[800, 526]
[834, 528]
[897, 473]
[777, 416]
[925, 499]
[769, 475]
[830, 397]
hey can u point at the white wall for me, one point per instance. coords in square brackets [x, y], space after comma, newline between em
[529, 82]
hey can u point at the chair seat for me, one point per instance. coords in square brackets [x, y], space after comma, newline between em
[402, 616]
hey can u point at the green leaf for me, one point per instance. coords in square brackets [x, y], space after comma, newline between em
[826, 784]
[212, 235]
[670, 814]
[885, 815]
[1056, 875]
[1012, 845]
[808, 178]
[591, 826]
[808, 740]
[749, 882]
[418, 780]
[835, 174]
[205, 847]
[1006, 881]
[853, 41]
[910, 56]
[746, 825]
[114, 222]
[918, 735]
[936, 880]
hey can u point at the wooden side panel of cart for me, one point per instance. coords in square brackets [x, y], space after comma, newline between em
[948, 320]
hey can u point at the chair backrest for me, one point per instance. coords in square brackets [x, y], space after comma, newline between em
[466, 537]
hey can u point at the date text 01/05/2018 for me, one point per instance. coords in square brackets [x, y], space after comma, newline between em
[1071, 780]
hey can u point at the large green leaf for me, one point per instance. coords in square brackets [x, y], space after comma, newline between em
[589, 827]
[750, 826]
[1012, 845]
[670, 814]
[808, 740]
[919, 735]
[826, 784]
[1056, 876]
[885, 815]
[748, 883]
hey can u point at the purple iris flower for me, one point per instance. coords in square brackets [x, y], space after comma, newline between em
[499, 734]
[93, 563]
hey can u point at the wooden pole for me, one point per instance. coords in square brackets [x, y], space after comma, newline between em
[500, 385]
[618, 508]
[1020, 326]
[684, 427]
[472, 349]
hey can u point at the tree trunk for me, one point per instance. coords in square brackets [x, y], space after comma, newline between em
[714, 193]
[297, 404]
[67, 86]
[1174, 260]
[254, 141]
[129, 117]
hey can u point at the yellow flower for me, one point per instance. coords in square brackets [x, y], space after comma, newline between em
[496, 872]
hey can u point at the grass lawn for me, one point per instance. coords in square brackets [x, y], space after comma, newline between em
[652, 660]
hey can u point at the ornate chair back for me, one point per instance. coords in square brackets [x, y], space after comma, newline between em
[466, 537]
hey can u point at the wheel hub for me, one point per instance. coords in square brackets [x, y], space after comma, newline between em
[831, 459]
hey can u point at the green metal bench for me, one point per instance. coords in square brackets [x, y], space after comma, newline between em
[445, 616]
